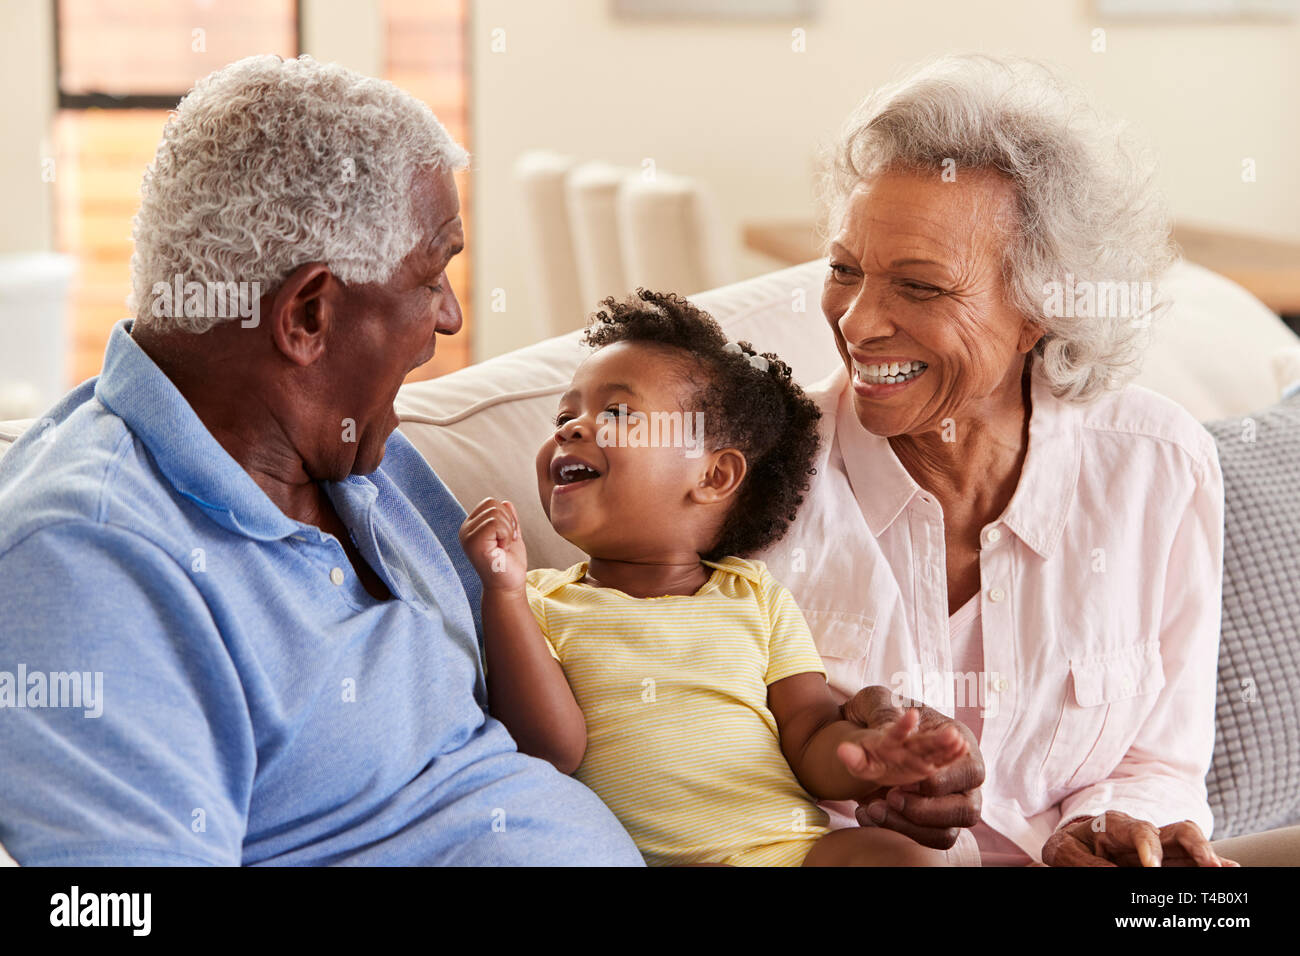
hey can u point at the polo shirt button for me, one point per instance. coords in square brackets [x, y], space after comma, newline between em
[1001, 684]
[993, 536]
[996, 594]
[336, 576]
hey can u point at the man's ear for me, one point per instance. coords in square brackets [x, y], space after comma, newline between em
[723, 471]
[301, 311]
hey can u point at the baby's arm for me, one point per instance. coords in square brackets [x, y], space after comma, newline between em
[527, 689]
[836, 759]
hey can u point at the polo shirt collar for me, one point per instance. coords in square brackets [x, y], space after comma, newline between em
[737, 566]
[1043, 496]
[554, 580]
[135, 389]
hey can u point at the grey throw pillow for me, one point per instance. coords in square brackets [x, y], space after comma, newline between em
[1254, 781]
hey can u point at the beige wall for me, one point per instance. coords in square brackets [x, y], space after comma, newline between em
[27, 77]
[350, 32]
[734, 105]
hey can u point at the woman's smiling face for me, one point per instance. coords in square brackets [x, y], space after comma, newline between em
[615, 500]
[916, 299]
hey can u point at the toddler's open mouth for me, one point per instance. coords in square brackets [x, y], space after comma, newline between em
[569, 471]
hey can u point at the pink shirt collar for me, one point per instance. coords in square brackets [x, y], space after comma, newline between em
[1037, 511]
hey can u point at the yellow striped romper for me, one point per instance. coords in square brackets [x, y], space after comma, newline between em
[681, 745]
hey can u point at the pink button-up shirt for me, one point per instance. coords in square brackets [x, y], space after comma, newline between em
[1099, 604]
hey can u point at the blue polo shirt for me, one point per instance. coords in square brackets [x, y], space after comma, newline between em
[187, 675]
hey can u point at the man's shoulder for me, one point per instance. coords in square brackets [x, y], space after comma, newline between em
[85, 468]
[415, 478]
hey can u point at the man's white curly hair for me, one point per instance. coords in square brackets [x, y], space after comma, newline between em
[270, 163]
[1087, 202]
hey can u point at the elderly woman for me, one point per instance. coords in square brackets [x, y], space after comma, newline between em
[255, 580]
[998, 528]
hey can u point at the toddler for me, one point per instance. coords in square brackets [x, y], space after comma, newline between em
[673, 675]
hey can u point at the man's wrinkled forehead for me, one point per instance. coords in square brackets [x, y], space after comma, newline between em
[437, 208]
[447, 239]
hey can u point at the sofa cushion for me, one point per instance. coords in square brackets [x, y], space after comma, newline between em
[1254, 781]
[1214, 351]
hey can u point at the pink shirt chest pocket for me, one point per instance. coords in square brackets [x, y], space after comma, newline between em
[1109, 698]
[843, 640]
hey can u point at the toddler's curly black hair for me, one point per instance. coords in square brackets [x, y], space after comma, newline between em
[763, 413]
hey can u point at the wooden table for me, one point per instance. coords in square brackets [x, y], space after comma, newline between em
[1268, 268]
[789, 241]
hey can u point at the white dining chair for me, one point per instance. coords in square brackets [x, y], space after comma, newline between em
[548, 240]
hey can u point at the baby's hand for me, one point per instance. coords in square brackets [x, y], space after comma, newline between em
[898, 754]
[490, 537]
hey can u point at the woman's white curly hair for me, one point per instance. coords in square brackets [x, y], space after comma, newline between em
[271, 163]
[1087, 204]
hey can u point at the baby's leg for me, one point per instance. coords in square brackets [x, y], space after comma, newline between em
[871, 846]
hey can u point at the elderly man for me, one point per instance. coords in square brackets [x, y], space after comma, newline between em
[255, 579]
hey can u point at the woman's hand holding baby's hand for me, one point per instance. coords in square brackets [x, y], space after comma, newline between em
[491, 539]
[900, 754]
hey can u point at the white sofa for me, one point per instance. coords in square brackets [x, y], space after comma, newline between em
[1219, 352]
